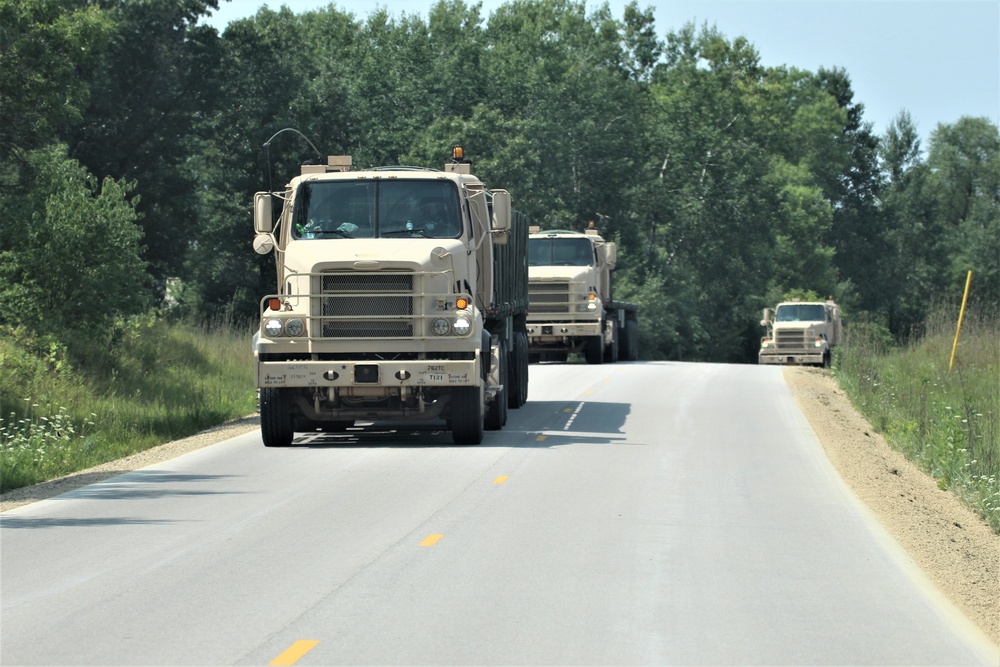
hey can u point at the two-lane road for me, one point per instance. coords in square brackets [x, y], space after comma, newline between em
[644, 513]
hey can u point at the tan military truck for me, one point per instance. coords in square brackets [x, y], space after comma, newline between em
[801, 332]
[401, 295]
[571, 307]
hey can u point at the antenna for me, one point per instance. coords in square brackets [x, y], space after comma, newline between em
[267, 147]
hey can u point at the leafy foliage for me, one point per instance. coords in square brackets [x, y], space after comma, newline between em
[724, 182]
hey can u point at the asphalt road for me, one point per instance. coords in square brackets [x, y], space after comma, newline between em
[643, 513]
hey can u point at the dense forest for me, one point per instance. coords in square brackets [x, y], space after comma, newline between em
[131, 143]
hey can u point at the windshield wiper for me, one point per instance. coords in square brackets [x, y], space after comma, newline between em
[418, 231]
[338, 232]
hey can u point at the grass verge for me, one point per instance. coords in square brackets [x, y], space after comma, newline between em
[163, 381]
[945, 421]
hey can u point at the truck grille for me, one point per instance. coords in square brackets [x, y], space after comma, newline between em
[367, 305]
[790, 340]
[548, 297]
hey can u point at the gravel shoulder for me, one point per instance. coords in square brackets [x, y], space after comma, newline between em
[953, 547]
[946, 540]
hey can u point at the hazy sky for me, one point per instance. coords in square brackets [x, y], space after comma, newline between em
[939, 59]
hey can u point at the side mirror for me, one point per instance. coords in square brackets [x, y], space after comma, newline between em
[767, 317]
[263, 215]
[611, 254]
[501, 211]
[263, 244]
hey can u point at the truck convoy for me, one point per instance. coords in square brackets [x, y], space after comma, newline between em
[571, 307]
[802, 332]
[402, 294]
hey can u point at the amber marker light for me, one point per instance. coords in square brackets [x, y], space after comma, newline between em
[274, 304]
[461, 303]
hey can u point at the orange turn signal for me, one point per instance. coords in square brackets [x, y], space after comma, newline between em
[274, 304]
[461, 303]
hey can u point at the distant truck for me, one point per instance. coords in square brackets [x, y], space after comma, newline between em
[402, 294]
[571, 306]
[802, 332]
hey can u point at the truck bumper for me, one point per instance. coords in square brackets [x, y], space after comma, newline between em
[790, 358]
[341, 373]
[545, 332]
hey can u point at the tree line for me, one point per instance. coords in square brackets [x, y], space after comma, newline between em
[131, 142]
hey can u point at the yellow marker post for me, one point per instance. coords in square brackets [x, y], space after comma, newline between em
[961, 313]
[293, 653]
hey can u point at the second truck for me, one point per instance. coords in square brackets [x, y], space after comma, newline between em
[800, 333]
[571, 305]
[401, 295]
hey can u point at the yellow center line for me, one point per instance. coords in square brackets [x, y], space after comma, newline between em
[501, 479]
[431, 540]
[293, 653]
[567, 409]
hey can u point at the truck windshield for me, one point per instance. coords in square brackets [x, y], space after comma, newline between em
[372, 209]
[560, 252]
[800, 313]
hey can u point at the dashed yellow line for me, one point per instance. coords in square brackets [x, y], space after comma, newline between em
[293, 653]
[501, 479]
[431, 540]
[540, 438]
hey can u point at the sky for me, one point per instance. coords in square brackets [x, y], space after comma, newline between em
[938, 60]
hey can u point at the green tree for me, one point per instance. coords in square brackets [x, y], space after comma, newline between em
[964, 162]
[156, 85]
[44, 46]
[69, 263]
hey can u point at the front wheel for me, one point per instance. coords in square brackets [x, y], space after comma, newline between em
[467, 415]
[594, 350]
[496, 413]
[275, 417]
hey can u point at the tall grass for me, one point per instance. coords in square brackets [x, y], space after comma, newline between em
[946, 421]
[161, 382]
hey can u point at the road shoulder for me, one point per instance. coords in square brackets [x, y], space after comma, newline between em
[951, 545]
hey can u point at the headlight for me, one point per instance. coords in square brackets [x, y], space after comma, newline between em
[273, 327]
[765, 343]
[819, 342]
[462, 326]
[440, 327]
[293, 327]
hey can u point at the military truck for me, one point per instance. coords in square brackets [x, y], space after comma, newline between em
[801, 333]
[402, 294]
[571, 307]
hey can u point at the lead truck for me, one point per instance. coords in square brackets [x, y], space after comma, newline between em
[572, 308]
[401, 295]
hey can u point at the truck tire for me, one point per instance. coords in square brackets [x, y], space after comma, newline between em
[518, 372]
[467, 415]
[275, 417]
[496, 411]
[594, 350]
[632, 338]
[611, 351]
